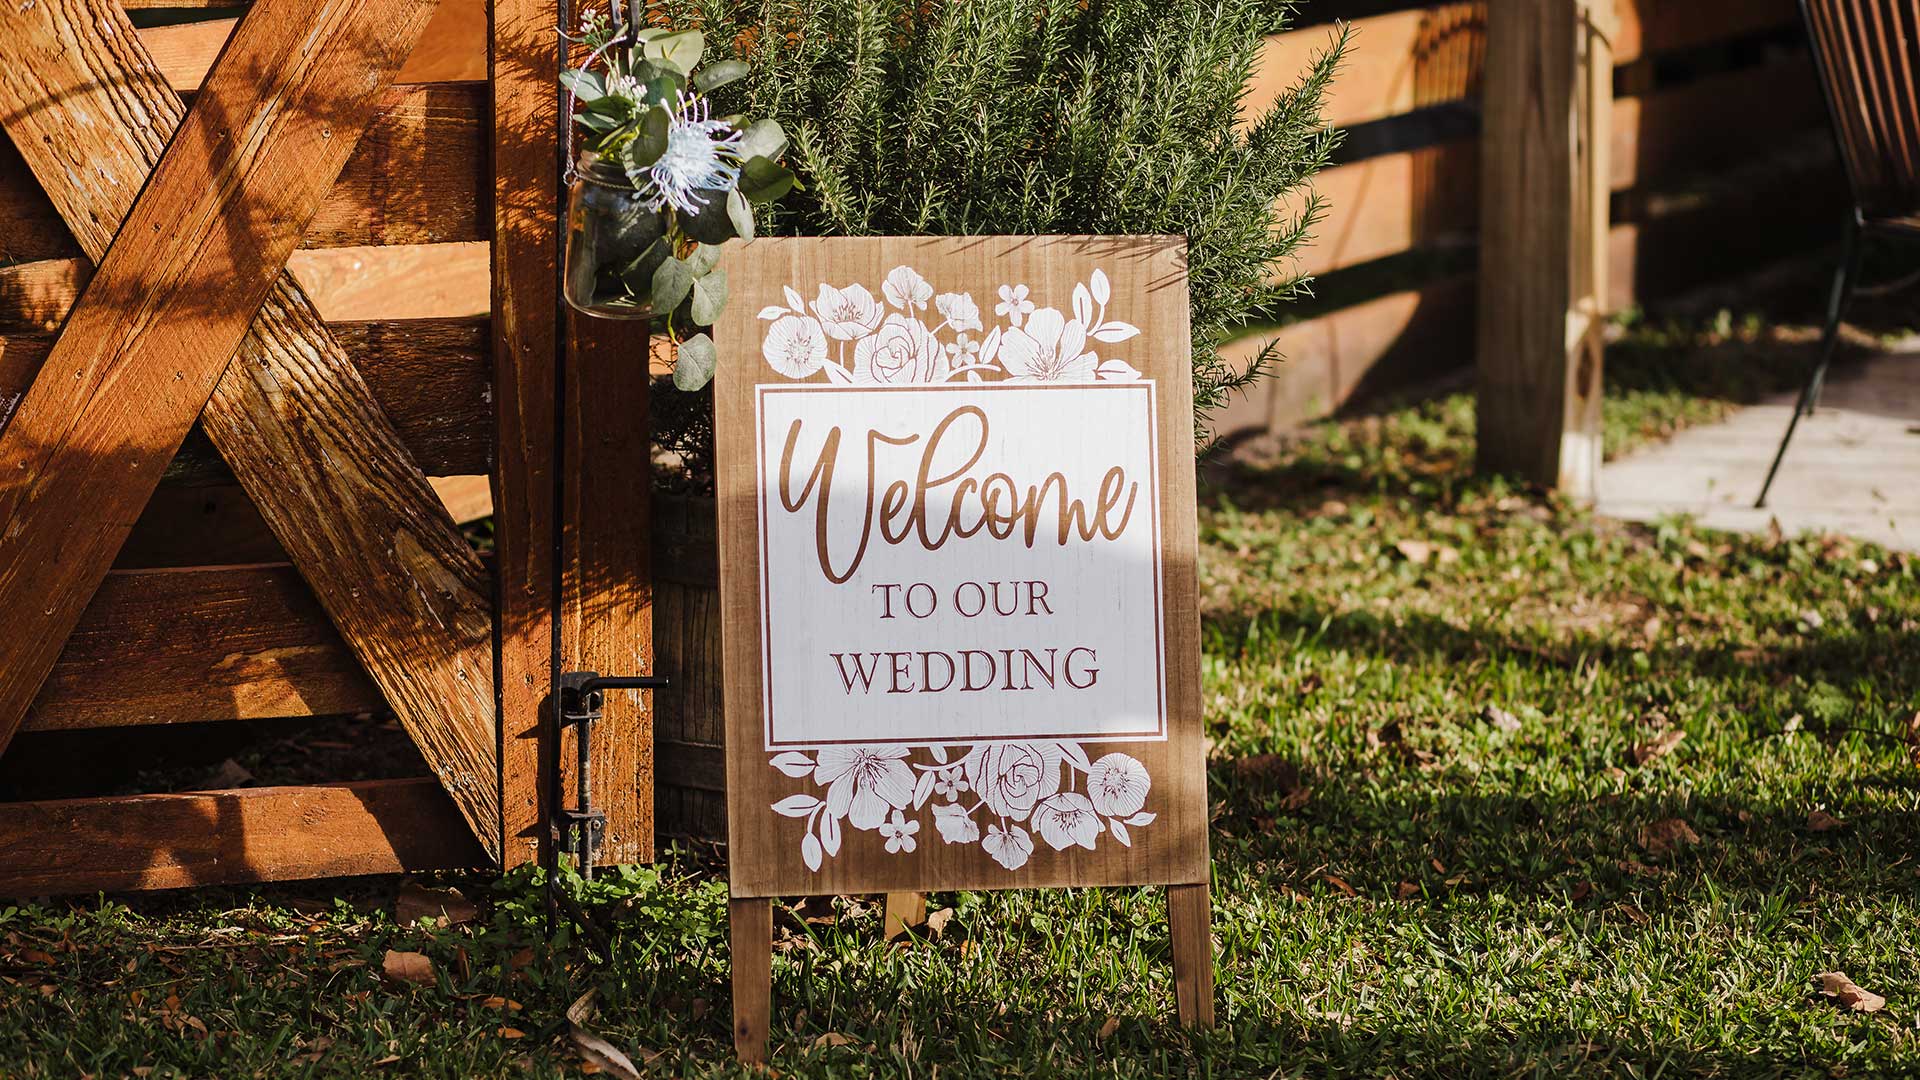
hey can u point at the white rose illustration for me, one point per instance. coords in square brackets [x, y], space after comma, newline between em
[1049, 348]
[846, 314]
[956, 826]
[795, 346]
[1009, 847]
[959, 310]
[1118, 785]
[1066, 819]
[906, 289]
[901, 354]
[864, 782]
[1012, 777]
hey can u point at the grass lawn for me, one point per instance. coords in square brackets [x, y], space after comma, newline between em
[1499, 790]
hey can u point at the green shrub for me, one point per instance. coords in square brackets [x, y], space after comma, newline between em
[967, 117]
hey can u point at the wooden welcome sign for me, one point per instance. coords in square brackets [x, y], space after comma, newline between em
[957, 546]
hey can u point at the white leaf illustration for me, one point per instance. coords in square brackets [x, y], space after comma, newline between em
[796, 806]
[1141, 820]
[830, 833]
[794, 299]
[793, 763]
[772, 311]
[837, 374]
[1117, 371]
[1119, 831]
[1076, 755]
[1115, 331]
[922, 789]
[810, 851]
[1102, 290]
[938, 753]
[1082, 305]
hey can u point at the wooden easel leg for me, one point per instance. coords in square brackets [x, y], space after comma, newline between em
[751, 926]
[905, 910]
[1189, 916]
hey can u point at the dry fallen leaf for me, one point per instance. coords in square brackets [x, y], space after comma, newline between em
[1107, 1029]
[584, 1007]
[832, 1038]
[417, 903]
[1662, 837]
[1639, 917]
[602, 1054]
[1845, 991]
[1339, 884]
[1581, 892]
[937, 921]
[408, 966]
[511, 1033]
[1911, 728]
[1659, 746]
[1821, 821]
[1501, 718]
[1405, 890]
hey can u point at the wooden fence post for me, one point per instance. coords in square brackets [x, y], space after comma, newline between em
[1543, 245]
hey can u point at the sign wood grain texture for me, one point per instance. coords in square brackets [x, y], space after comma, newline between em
[177, 291]
[866, 594]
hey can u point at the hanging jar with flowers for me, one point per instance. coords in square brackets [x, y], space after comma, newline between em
[661, 183]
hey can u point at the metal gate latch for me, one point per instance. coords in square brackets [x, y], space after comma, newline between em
[581, 828]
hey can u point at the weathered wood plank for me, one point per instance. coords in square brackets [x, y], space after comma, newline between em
[418, 176]
[223, 837]
[205, 643]
[430, 377]
[526, 203]
[364, 526]
[453, 48]
[1543, 214]
[606, 610]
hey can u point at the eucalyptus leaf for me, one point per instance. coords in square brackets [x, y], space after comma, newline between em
[680, 51]
[651, 140]
[720, 74]
[671, 283]
[596, 122]
[664, 88]
[693, 367]
[709, 297]
[703, 258]
[740, 214]
[763, 138]
[617, 108]
[586, 85]
[638, 274]
[763, 180]
[711, 223]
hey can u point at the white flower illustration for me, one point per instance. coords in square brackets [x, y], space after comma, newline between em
[903, 352]
[955, 825]
[846, 314]
[1118, 785]
[1014, 304]
[1050, 348]
[795, 346]
[1066, 819]
[1009, 847]
[959, 310]
[962, 350]
[906, 289]
[1012, 777]
[899, 833]
[950, 782]
[864, 782]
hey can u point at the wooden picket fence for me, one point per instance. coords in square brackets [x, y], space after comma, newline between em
[1718, 163]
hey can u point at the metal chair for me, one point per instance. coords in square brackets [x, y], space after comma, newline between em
[1867, 54]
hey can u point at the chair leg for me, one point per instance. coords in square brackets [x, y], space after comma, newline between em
[1844, 280]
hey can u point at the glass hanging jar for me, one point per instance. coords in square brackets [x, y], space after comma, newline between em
[614, 243]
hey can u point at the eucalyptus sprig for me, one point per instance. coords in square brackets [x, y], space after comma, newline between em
[644, 104]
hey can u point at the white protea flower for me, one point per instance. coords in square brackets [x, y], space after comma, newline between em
[703, 154]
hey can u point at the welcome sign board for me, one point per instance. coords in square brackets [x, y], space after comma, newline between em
[957, 565]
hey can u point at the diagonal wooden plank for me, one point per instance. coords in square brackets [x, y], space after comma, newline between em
[202, 249]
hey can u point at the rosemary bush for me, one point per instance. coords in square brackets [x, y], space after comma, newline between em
[955, 117]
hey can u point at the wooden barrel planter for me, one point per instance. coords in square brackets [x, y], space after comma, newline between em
[690, 776]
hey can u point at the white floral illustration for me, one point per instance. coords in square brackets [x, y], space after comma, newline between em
[999, 795]
[853, 338]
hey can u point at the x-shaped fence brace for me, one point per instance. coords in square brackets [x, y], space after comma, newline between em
[190, 216]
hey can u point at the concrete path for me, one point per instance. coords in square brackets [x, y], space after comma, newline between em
[1854, 466]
